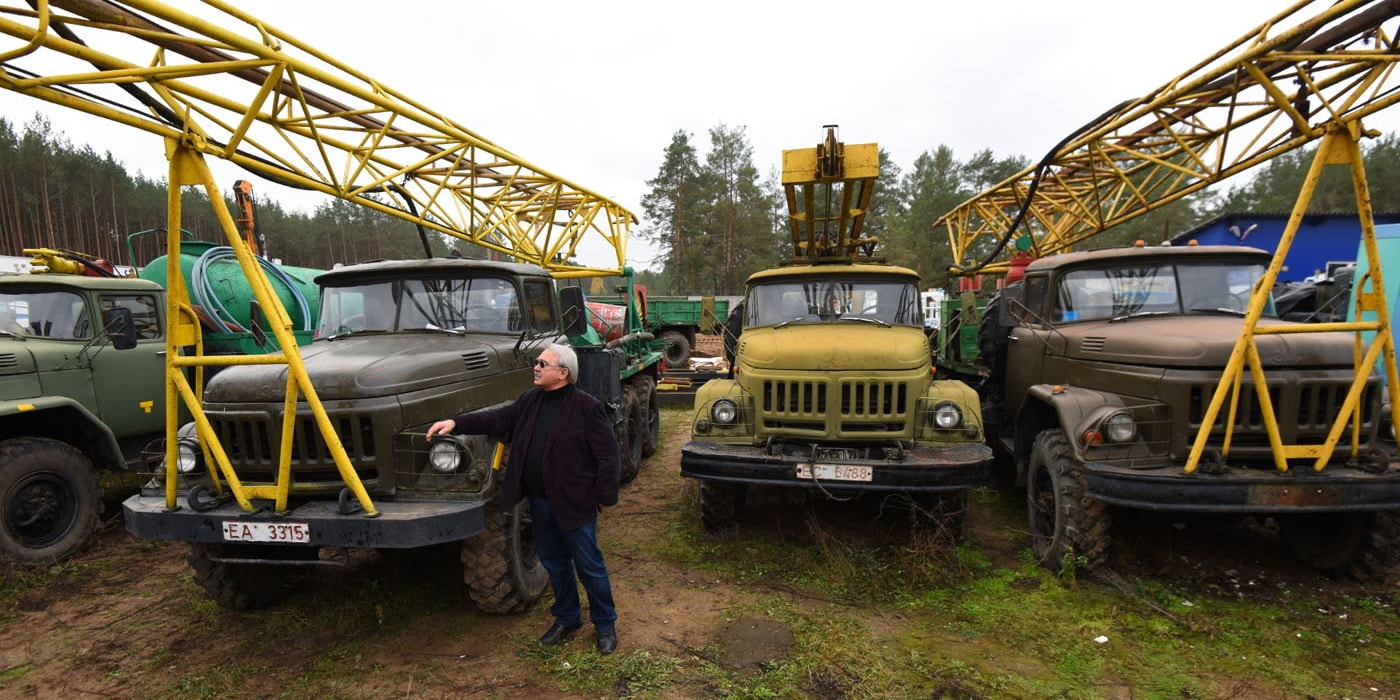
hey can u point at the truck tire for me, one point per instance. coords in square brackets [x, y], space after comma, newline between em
[720, 504]
[1364, 546]
[651, 408]
[500, 566]
[50, 499]
[239, 586]
[677, 351]
[1063, 519]
[632, 430]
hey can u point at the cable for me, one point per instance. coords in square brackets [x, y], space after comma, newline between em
[205, 295]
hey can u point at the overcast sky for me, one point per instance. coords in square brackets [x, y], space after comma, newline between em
[593, 92]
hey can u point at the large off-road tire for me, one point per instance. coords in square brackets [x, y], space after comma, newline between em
[651, 408]
[500, 566]
[1064, 520]
[677, 351]
[632, 433]
[941, 516]
[1364, 546]
[248, 586]
[721, 503]
[50, 499]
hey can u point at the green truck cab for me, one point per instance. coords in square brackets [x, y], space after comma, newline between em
[82, 377]
[833, 392]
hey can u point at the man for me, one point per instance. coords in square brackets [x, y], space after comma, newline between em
[565, 460]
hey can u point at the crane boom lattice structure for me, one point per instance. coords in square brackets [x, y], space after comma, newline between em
[233, 87]
[1273, 90]
[227, 85]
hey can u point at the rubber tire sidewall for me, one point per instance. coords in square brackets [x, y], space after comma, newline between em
[501, 566]
[677, 352]
[1077, 523]
[24, 459]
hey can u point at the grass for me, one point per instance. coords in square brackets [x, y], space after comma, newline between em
[908, 618]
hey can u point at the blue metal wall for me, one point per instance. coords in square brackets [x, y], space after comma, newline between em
[1321, 239]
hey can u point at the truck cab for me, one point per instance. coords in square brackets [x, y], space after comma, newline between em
[73, 401]
[833, 391]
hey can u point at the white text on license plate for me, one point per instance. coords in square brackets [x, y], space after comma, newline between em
[834, 472]
[239, 531]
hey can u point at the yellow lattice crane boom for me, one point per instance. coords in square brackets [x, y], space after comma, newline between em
[231, 86]
[227, 85]
[1303, 73]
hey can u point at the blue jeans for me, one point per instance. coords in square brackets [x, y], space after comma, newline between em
[562, 552]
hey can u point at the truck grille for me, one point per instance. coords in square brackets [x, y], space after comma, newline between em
[253, 447]
[1304, 410]
[866, 407]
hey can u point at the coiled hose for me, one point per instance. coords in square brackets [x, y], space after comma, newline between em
[205, 296]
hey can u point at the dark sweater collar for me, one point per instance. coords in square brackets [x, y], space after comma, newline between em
[559, 394]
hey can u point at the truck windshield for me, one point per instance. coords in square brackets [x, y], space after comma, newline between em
[476, 304]
[833, 300]
[1166, 288]
[61, 315]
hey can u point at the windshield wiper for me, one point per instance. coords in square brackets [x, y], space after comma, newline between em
[459, 330]
[1219, 310]
[791, 320]
[1139, 314]
[865, 319]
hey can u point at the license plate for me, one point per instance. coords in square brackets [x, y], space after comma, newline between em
[835, 472]
[240, 531]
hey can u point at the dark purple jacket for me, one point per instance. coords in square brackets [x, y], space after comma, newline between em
[580, 465]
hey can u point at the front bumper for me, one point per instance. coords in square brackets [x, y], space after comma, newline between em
[398, 525]
[955, 468]
[1170, 488]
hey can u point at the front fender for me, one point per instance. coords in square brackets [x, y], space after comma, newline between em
[62, 418]
[1077, 410]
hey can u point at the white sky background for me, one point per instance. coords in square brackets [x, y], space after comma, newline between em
[593, 92]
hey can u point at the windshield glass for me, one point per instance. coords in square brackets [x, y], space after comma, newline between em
[481, 304]
[830, 301]
[61, 315]
[1169, 288]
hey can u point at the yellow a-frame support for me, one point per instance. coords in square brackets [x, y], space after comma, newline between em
[187, 167]
[1341, 145]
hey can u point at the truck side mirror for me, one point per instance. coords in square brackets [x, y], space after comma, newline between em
[575, 314]
[120, 327]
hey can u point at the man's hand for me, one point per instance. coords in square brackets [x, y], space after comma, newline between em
[442, 427]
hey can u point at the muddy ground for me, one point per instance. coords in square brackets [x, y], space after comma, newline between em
[125, 620]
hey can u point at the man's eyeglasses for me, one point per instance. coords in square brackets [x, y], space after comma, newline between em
[542, 363]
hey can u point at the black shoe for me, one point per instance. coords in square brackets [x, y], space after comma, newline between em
[558, 632]
[607, 642]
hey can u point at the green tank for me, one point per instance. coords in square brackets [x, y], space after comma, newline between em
[218, 287]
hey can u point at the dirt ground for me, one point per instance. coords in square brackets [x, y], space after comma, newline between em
[125, 620]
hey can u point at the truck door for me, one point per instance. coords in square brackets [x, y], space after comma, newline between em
[1026, 343]
[130, 384]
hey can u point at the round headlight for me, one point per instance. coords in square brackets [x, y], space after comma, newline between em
[947, 415]
[724, 412]
[1120, 427]
[445, 456]
[186, 457]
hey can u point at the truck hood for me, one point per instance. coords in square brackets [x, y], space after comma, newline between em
[19, 378]
[1197, 342]
[365, 366]
[838, 346]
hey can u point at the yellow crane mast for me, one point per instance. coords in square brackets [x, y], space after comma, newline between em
[1292, 80]
[227, 85]
[1312, 72]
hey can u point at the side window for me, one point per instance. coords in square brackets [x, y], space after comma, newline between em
[144, 312]
[1032, 299]
[539, 308]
